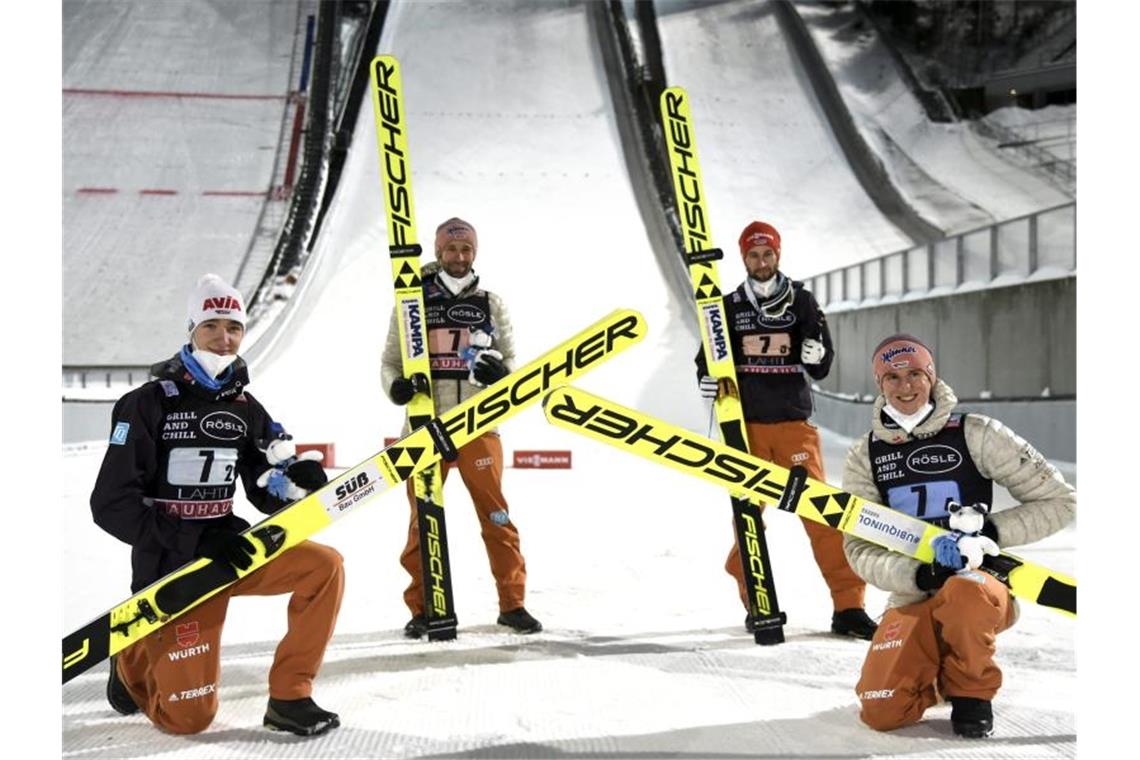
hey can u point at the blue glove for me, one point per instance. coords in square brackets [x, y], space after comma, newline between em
[947, 562]
[946, 552]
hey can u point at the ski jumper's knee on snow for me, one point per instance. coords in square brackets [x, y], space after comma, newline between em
[970, 610]
[896, 685]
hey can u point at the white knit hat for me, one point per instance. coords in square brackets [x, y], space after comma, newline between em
[212, 298]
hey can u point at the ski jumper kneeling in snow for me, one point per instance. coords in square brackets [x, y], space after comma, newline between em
[178, 445]
[938, 636]
[471, 346]
[778, 333]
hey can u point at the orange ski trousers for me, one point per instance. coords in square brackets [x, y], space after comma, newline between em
[173, 673]
[787, 444]
[480, 465]
[942, 645]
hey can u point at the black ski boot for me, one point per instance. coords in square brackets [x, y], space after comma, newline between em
[853, 622]
[300, 716]
[972, 718]
[416, 627]
[117, 694]
[520, 620]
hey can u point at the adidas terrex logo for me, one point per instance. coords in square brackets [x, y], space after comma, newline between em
[877, 694]
[682, 155]
[392, 140]
[226, 303]
[201, 691]
[185, 654]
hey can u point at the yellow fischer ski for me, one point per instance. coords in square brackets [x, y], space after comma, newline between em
[404, 251]
[761, 482]
[701, 257]
[195, 582]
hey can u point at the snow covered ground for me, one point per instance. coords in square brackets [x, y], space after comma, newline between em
[644, 651]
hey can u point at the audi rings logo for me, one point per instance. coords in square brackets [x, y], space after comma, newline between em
[223, 426]
[466, 314]
[934, 459]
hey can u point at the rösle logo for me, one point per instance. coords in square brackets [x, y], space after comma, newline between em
[223, 426]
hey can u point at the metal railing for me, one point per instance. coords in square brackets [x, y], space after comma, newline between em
[1042, 244]
[101, 376]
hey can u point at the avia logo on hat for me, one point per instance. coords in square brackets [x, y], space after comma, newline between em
[224, 303]
[213, 298]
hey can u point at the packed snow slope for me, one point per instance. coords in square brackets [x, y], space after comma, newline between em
[171, 120]
[510, 127]
[953, 175]
[767, 151]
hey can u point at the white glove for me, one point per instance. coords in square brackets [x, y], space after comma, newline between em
[974, 548]
[708, 387]
[478, 340]
[812, 352]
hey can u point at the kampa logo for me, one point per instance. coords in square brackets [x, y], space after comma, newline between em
[413, 328]
[223, 426]
[933, 459]
[465, 314]
[186, 634]
[714, 328]
[226, 304]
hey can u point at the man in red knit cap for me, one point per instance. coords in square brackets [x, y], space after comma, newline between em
[779, 335]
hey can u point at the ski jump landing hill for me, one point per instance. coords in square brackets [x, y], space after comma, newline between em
[524, 143]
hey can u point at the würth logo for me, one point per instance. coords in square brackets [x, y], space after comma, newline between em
[226, 303]
[542, 460]
[186, 634]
